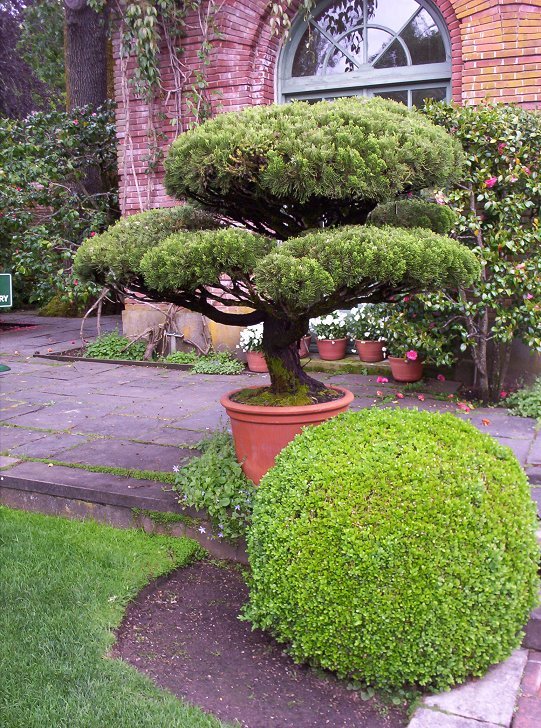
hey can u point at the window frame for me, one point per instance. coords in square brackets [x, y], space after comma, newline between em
[362, 81]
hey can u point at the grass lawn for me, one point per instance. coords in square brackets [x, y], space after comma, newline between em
[63, 589]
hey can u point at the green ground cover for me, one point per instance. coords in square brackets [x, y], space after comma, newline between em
[65, 585]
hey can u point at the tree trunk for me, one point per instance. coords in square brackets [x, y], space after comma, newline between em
[85, 54]
[280, 346]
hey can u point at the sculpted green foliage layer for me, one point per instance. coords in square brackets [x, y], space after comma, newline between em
[293, 166]
[394, 547]
[414, 214]
[116, 254]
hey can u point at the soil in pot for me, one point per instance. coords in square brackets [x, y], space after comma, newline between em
[405, 370]
[370, 351]
[332, 349]
[261, 432]
[256, 361]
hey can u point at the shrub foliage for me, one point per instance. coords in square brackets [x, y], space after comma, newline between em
[45, 209]
[394, 547]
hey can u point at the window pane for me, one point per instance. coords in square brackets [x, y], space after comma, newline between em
[400, 96]
[392, 14]
[310, 53]
[419, 95]
[424, 40]
[339, 63]
[353, 44]
[341, 16]
[377, 40]
[394, 56]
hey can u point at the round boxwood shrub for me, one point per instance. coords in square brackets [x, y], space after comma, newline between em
[395, 548]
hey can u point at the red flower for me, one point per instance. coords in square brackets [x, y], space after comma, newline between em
[503, 394]
[440, 378]
[490, 182]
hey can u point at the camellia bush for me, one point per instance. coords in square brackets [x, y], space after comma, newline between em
[46, 209]
[497, 202]
[395, 548]
[301, 179]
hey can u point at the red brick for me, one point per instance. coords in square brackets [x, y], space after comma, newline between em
[528, 714]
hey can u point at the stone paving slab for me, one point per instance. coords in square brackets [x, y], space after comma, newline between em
[52, 446]
[11, 437]
[491, 698]
[425, 718]
[7, 462]
[126, 454]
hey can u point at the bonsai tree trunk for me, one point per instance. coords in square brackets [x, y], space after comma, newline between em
[280, 346]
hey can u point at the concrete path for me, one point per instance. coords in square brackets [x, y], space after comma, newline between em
[147, 418]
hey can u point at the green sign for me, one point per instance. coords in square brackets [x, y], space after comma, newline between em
[6, 295]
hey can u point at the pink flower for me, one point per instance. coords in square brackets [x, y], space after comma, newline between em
[407, 299]
[527, 170]
[382, 380]
[92, 234]
[490, 182]
[411, 355]
[76, 282]
[528, 296]
[400, 395]
[379, 393]
[440, 378]
[513, 179]
[75, 122]
[501, 147]
[421, 397]
[503, 394]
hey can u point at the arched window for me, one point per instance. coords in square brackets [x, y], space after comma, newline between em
[398, 49]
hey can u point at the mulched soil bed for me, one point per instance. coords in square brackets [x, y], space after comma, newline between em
[185, 634]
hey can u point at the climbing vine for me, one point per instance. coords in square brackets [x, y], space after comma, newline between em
[152, 68]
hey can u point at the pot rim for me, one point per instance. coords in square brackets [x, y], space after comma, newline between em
[256, 409]
[406, 361]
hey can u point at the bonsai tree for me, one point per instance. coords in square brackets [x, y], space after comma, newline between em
[296, 184]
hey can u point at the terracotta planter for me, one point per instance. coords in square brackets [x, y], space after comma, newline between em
[332, 349]
[256, 361]
[304, 348]
[369, 350]
[404, 370]
[260, 433]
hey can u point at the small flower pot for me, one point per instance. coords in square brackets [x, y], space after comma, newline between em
[332, 349]
[405, 370]
[369, 350]
[256, 361]
[304, 348]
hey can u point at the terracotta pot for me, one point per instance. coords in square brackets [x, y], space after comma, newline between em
[332, 349]
[369, 350]
[256, 361]
[404, 370]
[304, 348]
[260, 433]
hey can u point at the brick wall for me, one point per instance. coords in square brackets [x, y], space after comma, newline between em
[495, 53]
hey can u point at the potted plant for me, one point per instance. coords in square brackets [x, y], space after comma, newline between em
[331, 332]
[366, 326]
[411, 344]
[251, 342]
[298, 246]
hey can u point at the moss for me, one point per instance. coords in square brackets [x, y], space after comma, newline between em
[166, 518]
[157, 475]
[263, 397]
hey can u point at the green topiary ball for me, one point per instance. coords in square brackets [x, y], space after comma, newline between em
[394, 547]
